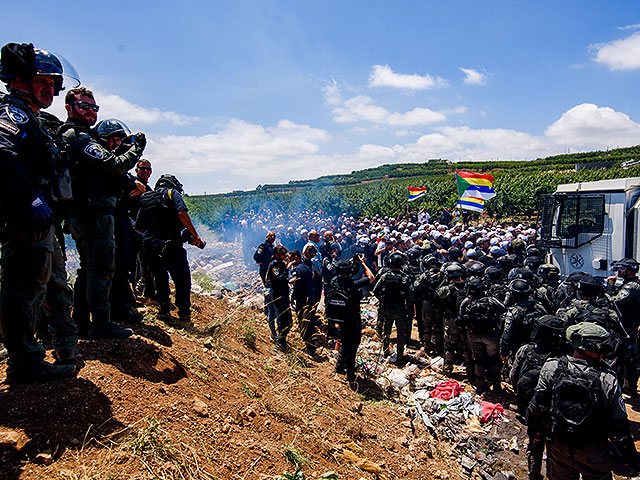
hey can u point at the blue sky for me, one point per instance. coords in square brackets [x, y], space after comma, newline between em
[239, 93]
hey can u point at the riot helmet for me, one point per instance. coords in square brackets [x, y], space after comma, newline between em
[476, 270]
[533, 263]
[625, 267]
[548, 272]
[548, 329]
[22, 60]
[520, 287]
[169, 181]
[454, 271]
[493, 274]
[112, 127]
[413, 254]
[590, 287]
[476, 286]
[346, 267]
[430, 262]
[396, 260]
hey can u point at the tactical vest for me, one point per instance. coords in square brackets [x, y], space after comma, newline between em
[157, 216]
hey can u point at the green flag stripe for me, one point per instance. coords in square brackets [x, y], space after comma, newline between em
[462, 185]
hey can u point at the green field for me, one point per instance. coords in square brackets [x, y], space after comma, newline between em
[382, 190]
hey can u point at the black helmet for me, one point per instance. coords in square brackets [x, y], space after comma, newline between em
[533, 251]
[112, 127]
[397, 259]
[575, 277]
[431, 261]
[476, 286]
[413, 253]
[346, 267]
[627, 263]
[548, 271]
[169, 181]
[518, 245]
[533, 263]
[522, 273]
[476, 270]
[454, 254]
[505, 263]
[22, 60]
[590, 287]
[548, 328]
[519, 287]
[454, 271]
[493, 274]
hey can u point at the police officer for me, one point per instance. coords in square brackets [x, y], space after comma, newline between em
[413, 268]
[549, 275]
[547, 342]
[113, 133]
[303, 295]
[351, 321]
[31, 258]
[577, 405]
[166, 225]
[264, 254]
[480, 316]
[519, 319]
[626, 298]
[97, 178]
[451, 294]
[277, 281]
[432, 308]
[395, 291]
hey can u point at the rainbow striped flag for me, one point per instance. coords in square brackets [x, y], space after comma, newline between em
[476, 185]
[471, 203]
[415, 193]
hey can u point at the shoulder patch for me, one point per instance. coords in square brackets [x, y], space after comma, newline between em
[94, 150]
[8, 127]
[276, 271]
[16, 115]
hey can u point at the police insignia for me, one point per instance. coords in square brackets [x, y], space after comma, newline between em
[276, 271]
[16, 115]
[259, 250]
[7, 127]
[94, 151]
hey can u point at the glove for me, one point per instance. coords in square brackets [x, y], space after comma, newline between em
[139, 140]
[40, 209]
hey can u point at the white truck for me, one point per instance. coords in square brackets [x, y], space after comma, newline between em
[589, 225]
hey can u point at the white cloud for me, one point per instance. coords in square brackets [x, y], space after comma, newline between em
[362, 108]
[591, 127]
[383, 76]
[240, 148]
[133, 115]
[332, 93]
[635, 26]
[621, 54]
[473, 77]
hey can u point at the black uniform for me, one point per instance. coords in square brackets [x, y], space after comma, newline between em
[262, 257]
[277, 280]
[31, 257]
[158, 219]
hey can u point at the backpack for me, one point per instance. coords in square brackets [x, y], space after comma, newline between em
[575, 410]
[481, 316]
[337, 302]
[393, 289]
[157, 217]
[528, 377]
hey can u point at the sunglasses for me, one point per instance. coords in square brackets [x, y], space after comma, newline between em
[86, 106]
[144, 168]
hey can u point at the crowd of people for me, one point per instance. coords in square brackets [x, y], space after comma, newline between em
[482, 297]
[72, 177]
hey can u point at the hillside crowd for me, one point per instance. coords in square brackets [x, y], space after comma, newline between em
[481, 296]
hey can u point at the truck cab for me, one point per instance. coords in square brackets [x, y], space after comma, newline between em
[589, 225]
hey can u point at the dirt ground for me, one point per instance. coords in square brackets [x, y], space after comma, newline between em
[215, 401]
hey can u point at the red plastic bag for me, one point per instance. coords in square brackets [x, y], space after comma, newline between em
[491, 411]
[446, 390]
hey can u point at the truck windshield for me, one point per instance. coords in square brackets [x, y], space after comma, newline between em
[571, 220]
